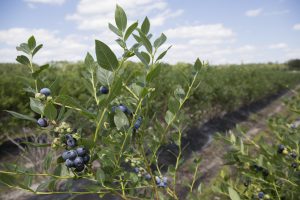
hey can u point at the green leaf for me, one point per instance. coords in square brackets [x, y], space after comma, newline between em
[139, 55]
[233, 194]
[146, 42]
[115, 89]
[104, 76]
[36, 144]
[71, 102]
[21, 116]
[121, 120]
[60, 160]
[198, 65]
[89, 60]
[169, 116]
[145, 26]
[47, 161]
[45, 185]
[23, 60]
[37, 72]
[100, 176]
[154, 72]
[24, 48]
[130, 29]
[37, 49]
[31, 43]
[173, 105]
[114, 29]
[50, 111]
[160, 41]
[179, 94]
[28, 180]
[7, 179]
[88, 85]
[137, 90]
[137, 38]
[121, 43]
[37, 106]
[120, 18]
[162, 54]
[105, 57]
[146, 56]
[87, 142]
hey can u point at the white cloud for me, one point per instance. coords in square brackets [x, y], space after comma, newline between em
[70, 47]
[296, 27]
[95, 14]
[208, 32]
[210, 42]
[52, 2]
[253, 13]
[279, 12]
[278, 46]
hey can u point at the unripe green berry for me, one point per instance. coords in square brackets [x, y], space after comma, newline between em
[49, 98]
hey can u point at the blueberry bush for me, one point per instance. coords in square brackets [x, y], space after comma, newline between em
[266, 166]
[120, 157]
[223, 89]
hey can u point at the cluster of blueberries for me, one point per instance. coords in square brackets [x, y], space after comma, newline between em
[160, 181]
[42, 122]
[77, 158]
[283, 150]
[123, 108]
[141, 172]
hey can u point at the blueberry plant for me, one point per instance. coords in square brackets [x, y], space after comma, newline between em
[267, 166]
[121, 156]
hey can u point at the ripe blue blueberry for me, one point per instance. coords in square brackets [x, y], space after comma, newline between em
[165, 180]
[81, 151]
[294, 165]
[293, 155]
[42, 122]
[78, 161]
[136, 170]
[86, 158]
[79, 168]
[162, 184]
[122, 108]
[261, 195]
[71, 142]
[147, 176]
[104, 90]
[157, 179]
[69, 155]
[68, 136]
[281, 147]
[138, 123]
[45, 91]
[293, 126]
[69, 163]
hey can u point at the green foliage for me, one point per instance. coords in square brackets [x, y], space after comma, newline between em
[120, 126]
[294, 64]
[268, 163]
[158, 93]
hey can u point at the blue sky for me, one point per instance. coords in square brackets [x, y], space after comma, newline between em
[219, 31]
